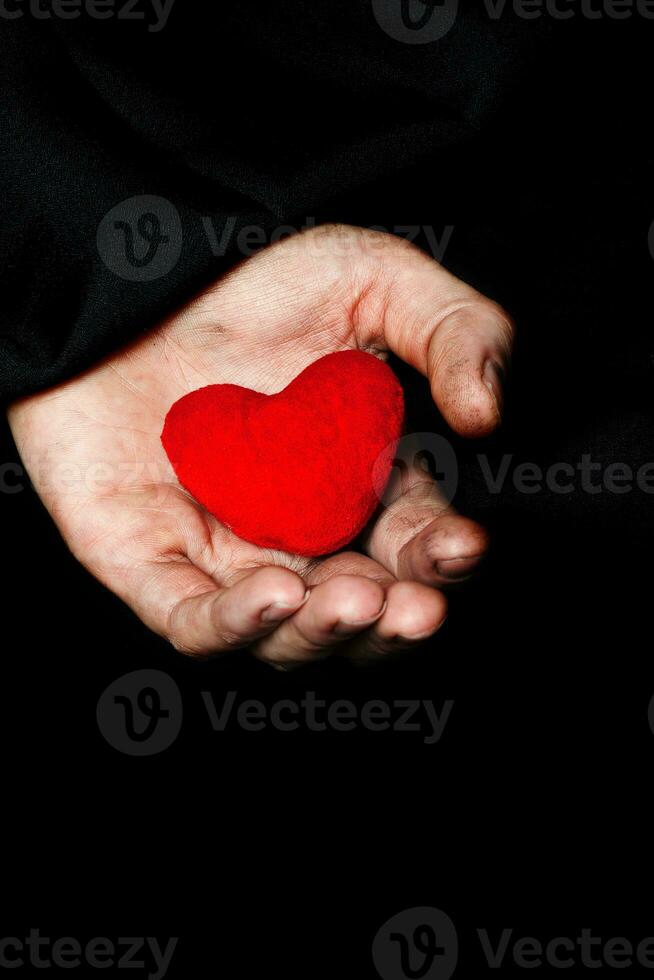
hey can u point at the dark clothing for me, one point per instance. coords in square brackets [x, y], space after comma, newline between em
[135, 151]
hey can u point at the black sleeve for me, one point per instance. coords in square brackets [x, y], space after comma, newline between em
[146, 152]
[106, 223]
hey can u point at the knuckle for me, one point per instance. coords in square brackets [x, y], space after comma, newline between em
[188, 649]
[455, 322]
[229, 640]
[407, 522]
[342, 589]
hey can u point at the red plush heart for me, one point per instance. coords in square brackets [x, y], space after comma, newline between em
[301, 470]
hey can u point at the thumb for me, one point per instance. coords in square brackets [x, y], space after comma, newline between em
[458, 338]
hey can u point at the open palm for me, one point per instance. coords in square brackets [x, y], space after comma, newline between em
[92, 447]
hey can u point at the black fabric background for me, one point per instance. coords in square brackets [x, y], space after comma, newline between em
[285, 853]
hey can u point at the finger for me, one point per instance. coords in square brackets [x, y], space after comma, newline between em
[419, 536]
[335, 611]
[447, 551]
[200, 618]
[347, 563]
[458, 338]
[413, 613]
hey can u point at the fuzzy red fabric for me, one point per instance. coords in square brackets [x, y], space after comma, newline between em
[301, 470]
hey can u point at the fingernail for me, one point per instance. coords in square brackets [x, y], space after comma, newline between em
[277, 611]
[458, 569]
[346, 626]
[493, 375]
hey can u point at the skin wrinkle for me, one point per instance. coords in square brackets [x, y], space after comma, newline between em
[358, 305]
[201, 339]
[117, 427]
[173, 353]
[133, 389]
[170, 631]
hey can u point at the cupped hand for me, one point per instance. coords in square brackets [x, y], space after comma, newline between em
[92, 448]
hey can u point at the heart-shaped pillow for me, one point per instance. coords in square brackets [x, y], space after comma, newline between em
[301, 470]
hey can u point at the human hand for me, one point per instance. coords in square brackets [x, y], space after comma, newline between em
[92, 448]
